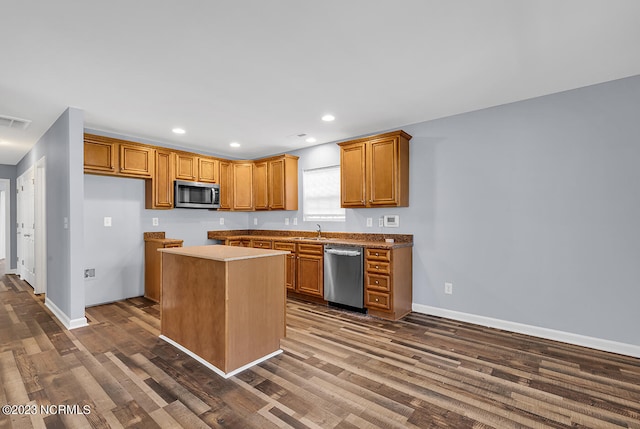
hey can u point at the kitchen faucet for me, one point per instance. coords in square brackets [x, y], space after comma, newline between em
[319, 229]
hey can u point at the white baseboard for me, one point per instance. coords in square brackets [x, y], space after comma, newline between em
[536, 331]
[63, 318]
[214, 368]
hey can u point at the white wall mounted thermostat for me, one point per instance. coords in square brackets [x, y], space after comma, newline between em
[391, 221]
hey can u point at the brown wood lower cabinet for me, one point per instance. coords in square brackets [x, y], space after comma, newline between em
[290, 277]
[153, 265]
[310, 270]
[388, 282]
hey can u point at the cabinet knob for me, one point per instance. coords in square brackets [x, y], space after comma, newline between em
[377, 266]
[377, 300]
[377, 254]
[377, 282]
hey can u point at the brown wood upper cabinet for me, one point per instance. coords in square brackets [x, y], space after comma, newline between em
[186, 167]
[100, 154]
[374, 171]
[109, 156]
[260, 188]
[266, 184]
[242, 185]
[136, 160]
[226, 185]
[275, 183]
[159, 189]
[208, 170]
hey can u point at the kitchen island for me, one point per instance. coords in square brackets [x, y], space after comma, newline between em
[224, 305]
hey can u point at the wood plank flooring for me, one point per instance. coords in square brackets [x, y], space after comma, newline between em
[338, 370]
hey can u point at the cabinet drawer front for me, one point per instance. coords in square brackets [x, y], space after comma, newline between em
[168, 246]
[380, 282]
[279, 245]
[378, 267]
[311, 249]
[379, 254]
[262, 244]
[377, 300]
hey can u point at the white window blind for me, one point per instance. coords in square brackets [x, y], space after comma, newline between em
[321, 195]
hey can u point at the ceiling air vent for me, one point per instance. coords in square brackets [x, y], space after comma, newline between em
[16, 123]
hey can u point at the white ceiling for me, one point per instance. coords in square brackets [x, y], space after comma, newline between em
[261, 72]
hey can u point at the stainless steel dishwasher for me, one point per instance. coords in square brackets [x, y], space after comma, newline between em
[343, 276]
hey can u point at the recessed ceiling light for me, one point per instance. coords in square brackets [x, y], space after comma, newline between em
[328, 118]
[310, 140]
[178, 130]
[234, 144]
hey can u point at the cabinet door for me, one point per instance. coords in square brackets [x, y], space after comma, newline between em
[226, 185]
[243, 186]
[261, 194]
[208, 170]
[310, 275]
[382, 175]
[99, 156]
[290, 276]
[352, 175]
[159, 189]
[186, 167]
[135, 160]
[277, 185]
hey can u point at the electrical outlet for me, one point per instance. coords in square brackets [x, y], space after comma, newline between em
[448, 288]
[286, 221]
[295, 220]
[154, 221]
[381, 222]
[107, 221]
[255, 220]
[221, 221]
[369, 222]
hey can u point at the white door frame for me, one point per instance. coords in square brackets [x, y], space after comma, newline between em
[7, 224]
[26, 226]
[40, 218]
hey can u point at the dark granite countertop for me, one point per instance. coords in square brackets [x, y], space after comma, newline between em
[346, 238]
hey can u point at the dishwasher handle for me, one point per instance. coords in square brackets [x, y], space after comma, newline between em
[343, 252]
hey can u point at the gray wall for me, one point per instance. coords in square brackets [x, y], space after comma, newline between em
[62, 147]
[531, 210]
[9, 172]
[117, 252]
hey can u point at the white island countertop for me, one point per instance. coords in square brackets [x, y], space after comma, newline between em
[218, 252]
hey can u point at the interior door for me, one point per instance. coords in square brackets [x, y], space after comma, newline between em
[26, 226]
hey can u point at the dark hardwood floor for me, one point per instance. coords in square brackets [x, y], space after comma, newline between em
[338, 370]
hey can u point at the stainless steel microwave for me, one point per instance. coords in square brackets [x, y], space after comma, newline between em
[196, 195]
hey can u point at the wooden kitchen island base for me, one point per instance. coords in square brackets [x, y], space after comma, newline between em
[223, 305]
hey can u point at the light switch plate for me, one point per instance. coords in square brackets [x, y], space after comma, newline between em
[286, 221]
[369, 222]
[221, 221]
[107, 221]
[295, 220]
[154, 221]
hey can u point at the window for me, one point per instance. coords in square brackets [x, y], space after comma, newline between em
[321, 195]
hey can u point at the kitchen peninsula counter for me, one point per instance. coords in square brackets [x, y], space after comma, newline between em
[224, 305]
